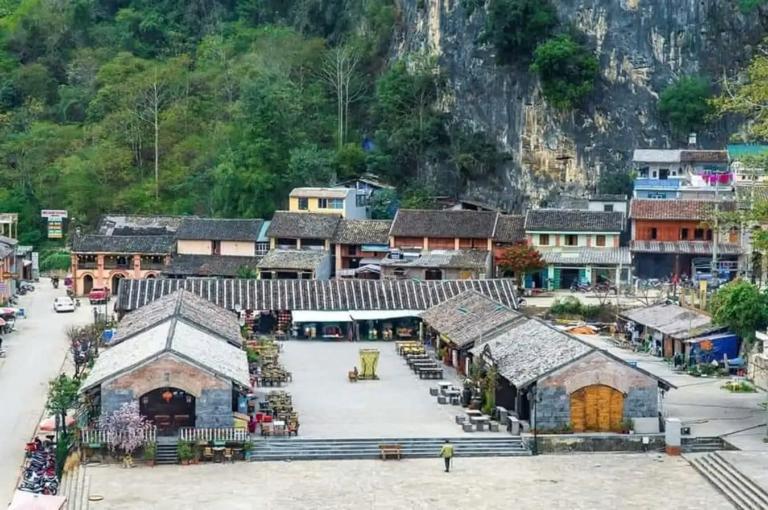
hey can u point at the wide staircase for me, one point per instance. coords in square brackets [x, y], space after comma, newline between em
[704, 444]
[336, 449]
[739, 489]
[167, 450]
[76, 485]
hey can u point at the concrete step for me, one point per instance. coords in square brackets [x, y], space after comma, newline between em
[317, 449]
[729, 482]
[167, 453]
[756, 493]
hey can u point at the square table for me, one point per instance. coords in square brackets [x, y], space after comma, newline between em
[474, 412]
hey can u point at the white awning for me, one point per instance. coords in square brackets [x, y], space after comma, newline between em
[313, 316]
[373, 315]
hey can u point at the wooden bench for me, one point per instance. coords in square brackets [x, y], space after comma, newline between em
[390, 450]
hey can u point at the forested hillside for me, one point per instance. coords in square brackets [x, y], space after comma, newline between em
[211, 107]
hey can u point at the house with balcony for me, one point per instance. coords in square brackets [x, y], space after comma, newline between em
[359, 247]
[681, 174]
[578, 246]
[100, 261]
[300, 246]
[208, 247]
[675, 237]
[344, 202]
[424, 230]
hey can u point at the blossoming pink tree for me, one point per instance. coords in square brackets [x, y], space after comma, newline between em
[125, 428]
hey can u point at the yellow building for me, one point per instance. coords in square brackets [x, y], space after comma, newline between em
[344, 202]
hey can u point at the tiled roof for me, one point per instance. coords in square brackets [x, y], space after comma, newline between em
[467, 317]
[293, 259]
[688, 247]
[691, 210]
[573, 220]
[673, 320]
[528, 349]
[510, 228]
[115, 224]
[186, 306]
[294, 225]
[216, 229]
[187, 341]
[656, 156]
[608, 198]
[209, 265]
[318, 295]
[321, 192]
[362, 232]
[609, 256]
[702, 156]
[450, 224]
[457, 259]
[149, 244]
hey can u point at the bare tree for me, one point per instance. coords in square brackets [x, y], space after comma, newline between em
[339, 71]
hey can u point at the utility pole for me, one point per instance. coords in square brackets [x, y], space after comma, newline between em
[713, 269]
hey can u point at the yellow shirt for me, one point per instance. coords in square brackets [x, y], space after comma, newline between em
[446, 451]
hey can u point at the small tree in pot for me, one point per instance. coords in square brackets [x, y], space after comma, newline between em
[150, 449]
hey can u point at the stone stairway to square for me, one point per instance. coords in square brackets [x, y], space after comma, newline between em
[734, 485]
[76, 486]
[336, 449]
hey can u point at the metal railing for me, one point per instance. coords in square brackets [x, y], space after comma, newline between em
[192, 434]
[92, 436]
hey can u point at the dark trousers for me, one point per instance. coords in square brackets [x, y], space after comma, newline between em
[447, 463]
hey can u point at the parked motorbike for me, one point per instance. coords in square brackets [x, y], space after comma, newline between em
[580, 287]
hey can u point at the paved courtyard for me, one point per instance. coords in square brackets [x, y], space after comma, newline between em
[546, 482]
[397, 405]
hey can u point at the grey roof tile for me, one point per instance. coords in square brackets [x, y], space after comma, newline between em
[689, 247]
[293, 259]
[527, 350]
[510, 229]
[144, 244]
[673, 320]
[295, 225]
[362, 232]
[468, 317]
[610, 256]
[219, 229]
[447, 259]
[209, 265]
[573, 220]
[444, 223]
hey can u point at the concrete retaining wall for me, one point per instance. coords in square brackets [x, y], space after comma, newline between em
[568, 443]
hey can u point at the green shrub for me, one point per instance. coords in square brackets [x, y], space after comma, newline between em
[567, 70]
[56, 261]
[685, 103]
[569, 305]
[516, 27]
[739, 387]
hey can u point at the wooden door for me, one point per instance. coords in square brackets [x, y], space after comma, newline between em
[597, 408]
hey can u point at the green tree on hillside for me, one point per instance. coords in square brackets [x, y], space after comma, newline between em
[685, 104]
[567, 70]
[516, 27]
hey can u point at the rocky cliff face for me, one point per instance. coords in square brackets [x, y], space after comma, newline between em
[642, 46]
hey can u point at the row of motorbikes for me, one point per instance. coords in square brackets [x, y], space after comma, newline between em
[40, 469]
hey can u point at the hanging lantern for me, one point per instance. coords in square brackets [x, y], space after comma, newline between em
[167, 396]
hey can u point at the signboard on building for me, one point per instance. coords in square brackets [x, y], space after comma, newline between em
[55, 228]
[9, 217]
[53, 213]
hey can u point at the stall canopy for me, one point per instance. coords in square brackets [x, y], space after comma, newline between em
[375, 315]
[313, 316]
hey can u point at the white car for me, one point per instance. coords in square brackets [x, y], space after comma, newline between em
[63, 304]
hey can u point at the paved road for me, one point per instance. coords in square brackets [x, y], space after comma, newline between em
[35, 353]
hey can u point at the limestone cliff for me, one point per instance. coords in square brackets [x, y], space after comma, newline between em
[642, 46]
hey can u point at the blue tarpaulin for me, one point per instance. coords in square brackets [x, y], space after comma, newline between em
[705, 349]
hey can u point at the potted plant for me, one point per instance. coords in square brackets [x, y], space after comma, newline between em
[150, 449]
[185, 452]
[247, 447]
[626, 425]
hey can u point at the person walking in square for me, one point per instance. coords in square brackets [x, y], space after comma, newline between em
[446, 452]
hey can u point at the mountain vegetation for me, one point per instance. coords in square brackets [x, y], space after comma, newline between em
[210, 107]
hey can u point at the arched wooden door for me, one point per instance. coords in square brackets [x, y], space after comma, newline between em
[87, 284]
[597, 408]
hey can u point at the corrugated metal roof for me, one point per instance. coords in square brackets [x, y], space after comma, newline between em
[687, 247]
[656, 156]
[610, 256]
[314, 294]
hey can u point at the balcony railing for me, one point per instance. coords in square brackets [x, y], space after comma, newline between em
[98, 436]
[118, 265]
[213, 434]
[86, 265]
[644, 183]
[152, 265]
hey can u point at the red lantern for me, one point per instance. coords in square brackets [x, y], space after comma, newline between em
[167, 396]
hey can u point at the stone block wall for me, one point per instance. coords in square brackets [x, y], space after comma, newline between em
[642, 402]
[214, 409]
[113, 398]
[553, 409]
[757, 370]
